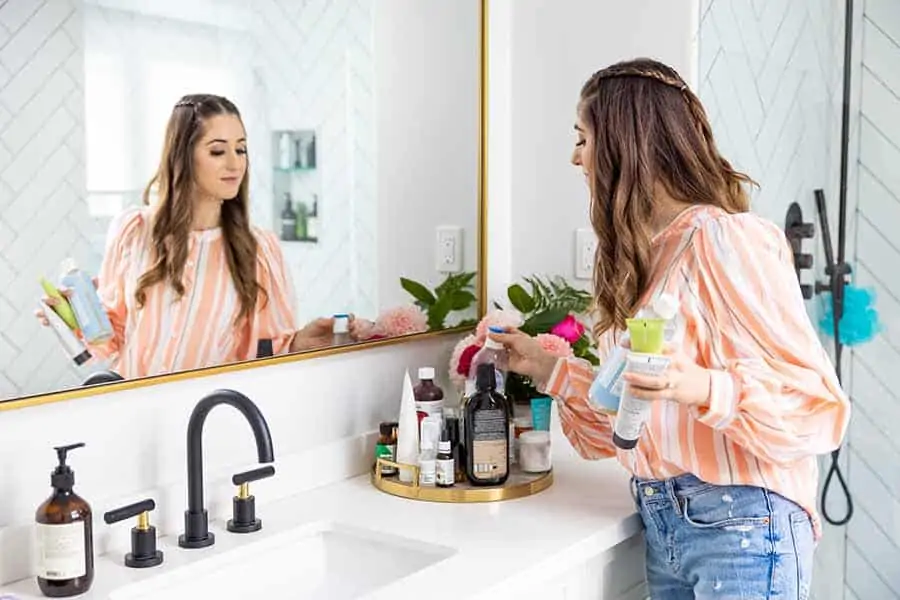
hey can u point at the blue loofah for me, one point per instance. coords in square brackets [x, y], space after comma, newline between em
[860, 322]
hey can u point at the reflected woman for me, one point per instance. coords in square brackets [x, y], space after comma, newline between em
[186, 280]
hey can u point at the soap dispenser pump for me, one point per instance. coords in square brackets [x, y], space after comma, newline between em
[65, 557]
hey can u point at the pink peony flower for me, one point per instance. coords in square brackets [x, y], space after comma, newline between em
[498, 318]
[461, 359]
[554, 344]
[401, 320]
[569, 329]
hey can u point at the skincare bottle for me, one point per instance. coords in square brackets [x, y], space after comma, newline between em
[65, 547]
[445, 475]
[386, 447]
[493, 353]
[288, 220]
[284, 151]
[71, 343]
[429, 396]
[62, 308]
[407, 430]
[312, 220]
[487, 431]
[89, 311]
[649, 335]
[340, 330]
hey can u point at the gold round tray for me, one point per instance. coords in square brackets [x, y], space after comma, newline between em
[518, 485]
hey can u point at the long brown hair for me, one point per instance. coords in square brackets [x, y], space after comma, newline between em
[172, 219]
[647, 129]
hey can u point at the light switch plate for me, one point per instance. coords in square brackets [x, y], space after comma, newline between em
[585, 247]
[448, 249]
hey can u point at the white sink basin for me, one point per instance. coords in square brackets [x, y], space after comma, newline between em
[323, 561]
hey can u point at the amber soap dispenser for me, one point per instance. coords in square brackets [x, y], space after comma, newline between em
[65, 545]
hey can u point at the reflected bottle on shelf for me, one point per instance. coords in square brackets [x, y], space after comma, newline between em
[302, 222]
[288, 220]
[312, 220]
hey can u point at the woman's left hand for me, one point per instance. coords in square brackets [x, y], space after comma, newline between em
[683, 381]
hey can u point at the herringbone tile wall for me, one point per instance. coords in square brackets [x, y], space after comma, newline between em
[43, 216]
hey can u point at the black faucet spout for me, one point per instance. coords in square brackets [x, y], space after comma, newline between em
[196, 521]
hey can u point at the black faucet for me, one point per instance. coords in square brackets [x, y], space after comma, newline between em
[196, 521]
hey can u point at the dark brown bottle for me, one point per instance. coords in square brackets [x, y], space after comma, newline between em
[65, 565]
[487, 431]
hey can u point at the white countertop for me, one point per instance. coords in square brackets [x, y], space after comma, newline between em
[499, 547]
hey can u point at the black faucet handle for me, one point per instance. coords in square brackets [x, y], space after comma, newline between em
[244, 504]
[137, 509]
[253, 475]
[143, 536]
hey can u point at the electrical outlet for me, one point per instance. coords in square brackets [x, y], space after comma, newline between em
[585, 247]
[448, 251]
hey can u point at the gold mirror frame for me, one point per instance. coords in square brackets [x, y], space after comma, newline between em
[481, 287]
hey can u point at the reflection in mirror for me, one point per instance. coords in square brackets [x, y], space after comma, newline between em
[196, 184]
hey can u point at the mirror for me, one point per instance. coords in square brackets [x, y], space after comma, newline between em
[350, 184]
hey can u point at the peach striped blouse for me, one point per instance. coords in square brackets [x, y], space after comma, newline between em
[775, 399]
[197, 330]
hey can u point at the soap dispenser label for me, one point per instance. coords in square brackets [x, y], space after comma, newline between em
[61, 551]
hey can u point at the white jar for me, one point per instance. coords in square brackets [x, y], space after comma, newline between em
[534, 451]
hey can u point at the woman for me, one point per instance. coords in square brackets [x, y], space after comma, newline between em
[725, 473]
[186, 280]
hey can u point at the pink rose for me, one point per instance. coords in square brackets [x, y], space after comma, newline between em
[568, 329]
[461, 359]
[554, 344]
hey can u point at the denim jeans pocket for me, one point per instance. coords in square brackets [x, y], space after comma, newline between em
[726, 507]
[804, 548]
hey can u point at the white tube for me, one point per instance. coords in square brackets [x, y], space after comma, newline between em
[634, 412]
[72, 345]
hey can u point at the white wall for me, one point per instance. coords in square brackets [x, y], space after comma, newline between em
[321, 414]
[428, 61]
[548, 53]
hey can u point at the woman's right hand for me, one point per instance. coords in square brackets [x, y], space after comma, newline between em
[49, 302]
[526, 356]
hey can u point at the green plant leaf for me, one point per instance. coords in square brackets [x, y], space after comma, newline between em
[418, 291]
[590, 357]
[520, 299]
[438, 312]
[467, 323]
[543, 321]
[461, 299]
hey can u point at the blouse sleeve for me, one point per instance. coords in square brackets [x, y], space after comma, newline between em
[589, 431]
[275, 318]
[111, 279]
[775, 392]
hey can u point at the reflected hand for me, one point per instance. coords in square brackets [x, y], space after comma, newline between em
[526, 356]
[51, 302]
[361, 329]
[316, 334]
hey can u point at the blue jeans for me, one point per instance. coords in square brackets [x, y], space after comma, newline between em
[717, 542]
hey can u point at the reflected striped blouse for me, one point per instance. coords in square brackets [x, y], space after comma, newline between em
[197, 330]
[775, 400]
